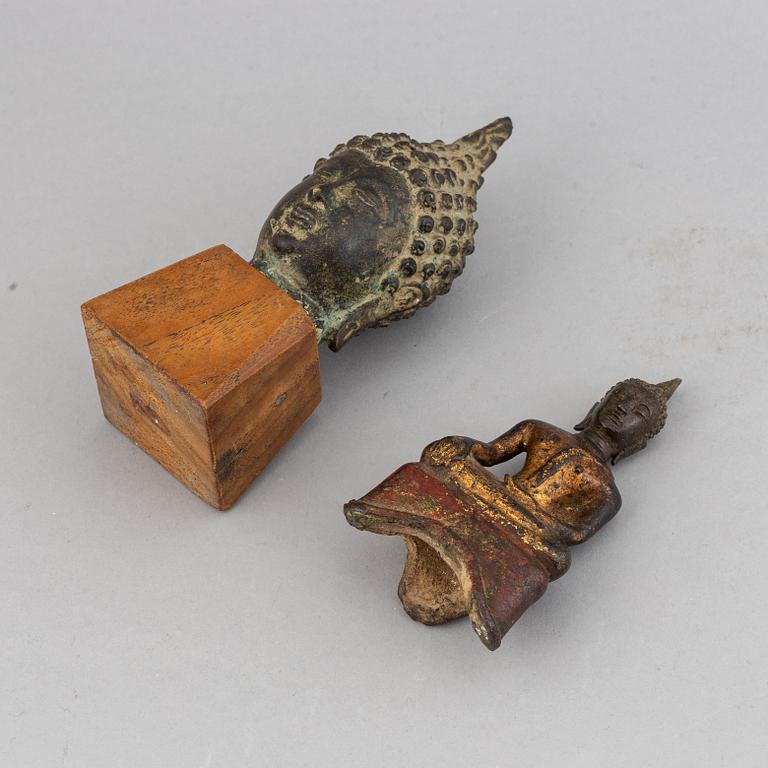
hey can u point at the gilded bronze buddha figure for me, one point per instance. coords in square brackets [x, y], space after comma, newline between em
[489, 548]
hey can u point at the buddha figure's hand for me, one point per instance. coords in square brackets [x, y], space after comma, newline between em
[486, 453]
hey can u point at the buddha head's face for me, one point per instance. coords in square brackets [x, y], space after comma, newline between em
[334, 233]
[630, 414]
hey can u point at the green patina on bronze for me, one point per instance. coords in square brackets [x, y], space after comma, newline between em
[379, 229]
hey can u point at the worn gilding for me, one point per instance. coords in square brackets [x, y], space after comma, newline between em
[487, 547]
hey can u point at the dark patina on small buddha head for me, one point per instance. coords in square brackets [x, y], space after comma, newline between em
[379, 229]
[628, 416]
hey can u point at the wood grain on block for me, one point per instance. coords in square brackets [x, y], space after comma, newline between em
[208, 366]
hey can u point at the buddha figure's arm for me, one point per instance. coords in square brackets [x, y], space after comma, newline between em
[504, 447]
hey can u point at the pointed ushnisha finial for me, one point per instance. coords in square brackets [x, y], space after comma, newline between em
[379, 229]
[668, 387]
[479, 147]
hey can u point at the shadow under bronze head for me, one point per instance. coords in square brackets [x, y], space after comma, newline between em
[627, 417]
[379, 229]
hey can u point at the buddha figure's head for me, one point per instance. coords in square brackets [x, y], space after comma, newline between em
[379, 229]
[630, 414]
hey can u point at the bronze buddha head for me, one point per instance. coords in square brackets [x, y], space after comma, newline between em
[629, 415]
[379, 229]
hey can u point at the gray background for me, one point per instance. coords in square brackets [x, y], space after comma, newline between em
[622, 233]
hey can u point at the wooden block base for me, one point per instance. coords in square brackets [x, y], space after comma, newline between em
[208, 366]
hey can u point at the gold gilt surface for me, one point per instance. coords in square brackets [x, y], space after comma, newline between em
[450, 460]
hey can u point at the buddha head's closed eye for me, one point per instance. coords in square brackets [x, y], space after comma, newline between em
[630, 414]
[379, 229]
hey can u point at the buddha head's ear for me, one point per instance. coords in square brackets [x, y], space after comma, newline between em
[587, 420]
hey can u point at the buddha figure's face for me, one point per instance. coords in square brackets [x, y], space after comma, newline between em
[332, 236]
[628, 414]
